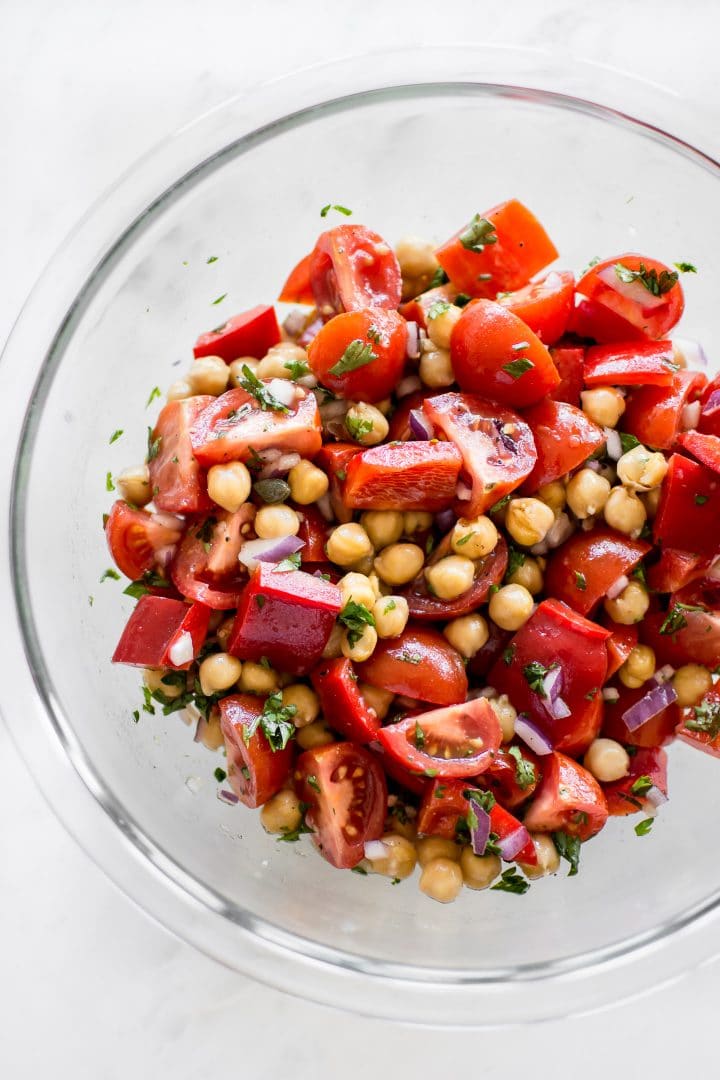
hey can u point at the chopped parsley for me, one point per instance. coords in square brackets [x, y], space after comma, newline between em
[675, 620]
[498, 506]
[252, 385]
[220, 775]
[154, 393]
[700, 500]
[509, 655]
[275, 721]
[479, 233]
[109, 486]
[359, 870]
[439, 278]
[580, 581]
[516, 559]
[219, 299]
[627, 442]
[685, 267]
[291, 835]
[211, 259]
[260, 601]
[297, 369]
[335, 206]
[438, 308]
[419, 736]
[115, 435]
[535, 673]
[312, 782]
[374, 335]
[464, 539]
[153, 445]
[593, 262]
[272, 490]
[643, 827]
[656, 284]
[357, 426]
[110, 573]
[641, 785]
[355, 617]
[510, 881]
[706, 719]
[409, 658]
[568, 848]
[517, 368]
[524, 769]
[291, 562]
[145, 584]
[358, 354]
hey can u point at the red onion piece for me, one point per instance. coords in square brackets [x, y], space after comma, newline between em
[613, 445]
[419, 426]
[552, 683]
[444, 520]
[510, 846]
[560, 709]
[294, 323]
[487, 692]
[690, 416]
[462, 491]
[201, 729]
[413, 341]
[310, 331]
[408, 385]
[165, 555]
[712, 403]
[254, 551]
[280, 466]
[480, 832]
[228, 797]
[617, 587]
[168, 521]
[649, 706]
[324, 506]
[532, 736]
[656, 796]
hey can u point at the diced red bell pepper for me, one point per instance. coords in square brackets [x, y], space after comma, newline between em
[256, 772]
[646, 762]
[568, 359]
[250, 334]
[403, 476]
[709, 713]
[644, 363]
[286, 616]
[688, 514]
[342, 703]
[654, 414]
[581, 571]
[177, 482]
[564, 438]
[706, 448]
[160, 630]
[619, 646]
[333, 459]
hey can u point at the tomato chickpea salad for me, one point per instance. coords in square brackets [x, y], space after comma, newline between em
[435, 563]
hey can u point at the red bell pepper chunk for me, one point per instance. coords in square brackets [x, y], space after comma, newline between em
[706, 448]
[644, 363]
[250, 334]
[297, 289]
[688, 514]
[403, 476]
[707, 714]
[650, 763]
[177, 482]
[581, 571]
[161, 630]
[675, 569]
[654, 414]
[342, 703]
[568, 360]
[286, 616]
[564, 438]
[313, 532]
[256, 772]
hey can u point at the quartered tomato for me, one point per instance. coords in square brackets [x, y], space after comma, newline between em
[419, 664]
[135, 537]
[344, 787]
[704, 720]
[236, 426]
[647, 774]
[403, 476]
[568, 359]
[456, 741]
[297, 289]
[675, 569]
[498, 251]
[581, 571]
[177, 483]
[255, 771]
[442, 808]
[688, 632]
[395, 771]
[352, 267]
[653, 302]
[620, 644]
[342, 703]
[497, 447]
[250, 334]
[360, 354]
[655, 732]
[493, 352]
[706, 448]
[544, 305]
[654, 414]
[688, 514]
[513, 779]
[489, 571]
[205, 567]
[643, 363]
[596, 322]
[564, 438]
[568, 799]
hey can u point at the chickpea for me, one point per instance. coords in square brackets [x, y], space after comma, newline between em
[625, 512]
[416, 521]
[385, 406]
[691, 683]
[153, 679]
[479, 871]
[229, 485]
[604, 404]
[416, 257]
[400, 859]
[607, 760]
[357, 587]
[133, 485]
[553, 495]
[529, 575]
[450, 577]
[348, 544]
[441, 880]
[587, 493]
[435, 367]
[281, 813]
[474, 537]
[382, 526]
[638, 668]
[257, 679]
[179, 390]
[377, 699]
[211, 734]
[399, 563]
[528, 521]
[364, 566]
[651, 501]
[366, 424]
[314, 735]
[441, 322]
[307, 483]
[272, 365]
[436, 847]
[506, 714]
[375, 585]
[209, 375]
[236, 370]
[224, 631]
[333, 648]
[548, 860]
[219, 671]
[276, 521]
[467, 634]
[391, 616]
[363, 648]
[641, 469]
[511, 607]
[306, 702]
[630, 606]
[403, 825]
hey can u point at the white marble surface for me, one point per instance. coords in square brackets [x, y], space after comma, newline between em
[89, 987]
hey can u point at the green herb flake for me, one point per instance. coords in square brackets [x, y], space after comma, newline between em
[359, 870]
[534, 675]
[260, 601]
[111, 574]
[358, 354]
[438, 308]
[312, 782]
[498, 506]
[641, 785]
[580, 581]
[136, 716]
[685, 267]
[516, 559]
[463, 298]
[439, 278]
[275, 721]
[643, 827]
[517, 368]
[292, 562]
[91, 600]
[700, 500]
[355, 617]
[357, 427]
[656, 284]
[509, 655]
[154, 393]
[252, 385]
[115, 435]
[109, 486]
[628, 442]
[675, 619]
[706, 719]
[510, 881]
[291, 835]
[569, 849]
[409, 658]
[153, 445]
[211, 259]
[297, 369]
[524, 770]
[219, 299]
[389, 606]
[479, 233]
[220, 775]
[335, 206]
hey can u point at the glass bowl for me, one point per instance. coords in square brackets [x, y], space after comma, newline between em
[413, 143]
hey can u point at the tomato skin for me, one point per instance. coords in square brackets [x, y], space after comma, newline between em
[342, 703]
[601, 556]
[250, 334]
[176, 480]
[134, 538]
[564, 438]
[696, 643]
[655, 732]
[443, 805]
[155, 625]
[452, 727]
[544, 305]
[403, 476]
[650, 762]
[399, 430]
[681, 521]
[490, 571]
[234, 426]
[372, 381]
[569, 360]
[333, 459]
[653, 414]
[554, 634]
[710, 415]
[212, 576]
[313, 532]
[416, 310]
[344, 800]
[481, 347]
[568, 799]
[438, 677]
[653, 316]
[675, 569]
[497, 447]
[701, 740]
[255, 771]
[297, 288]
[491, 651]
[595, 322]
[521, 249]
[620, 644]
[706, 448]
[351, 267]
[644, 363]
[501, 777]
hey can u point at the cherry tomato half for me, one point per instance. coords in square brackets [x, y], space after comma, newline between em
[568, 799]
[255, 771]
[204, 568]
[177, 483]
[352, 267]
[651, 765]
[564, 438]
[654, 414]
[297, 289]
[360, 354]
[581, 571]
[456, 741]
[135, 537]
[544, 305]
[341, 701]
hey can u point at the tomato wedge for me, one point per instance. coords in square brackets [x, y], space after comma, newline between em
[235, 427]
[255, 771]
[569, 360]
[710, 414]
[689, 631]
[360, 354]
[649, 764]
[403, 476]
[394, 771]
[159, 625]
[176, 480]
[502, 776]
[297, 288]
[544, 305]
[568, 799]
[564, 438]
[250, 334]
[688, 514]
[419, 664]
[675, 569]
[352, 267]
[497, 447]
[342, 703]
[706, 448]
[442, 807]
[493, 352]
[655, 732]
[135, 537]
[482, 261]
[654, 414]
[456, 741]
[345, 790]
[644, 363]
[652, 303]
[204, 567]
[588, 564]
[489, 571]
[707, 714]
[313, 532]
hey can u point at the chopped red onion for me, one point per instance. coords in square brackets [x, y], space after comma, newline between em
[294, 323]
[712, 403]
[655, 796]
[280, 466]
[271, 551]
[462, 491]
[408, 385]
[617, 587]
[413, 341]
[631, 290]
[324, 506]
[552, 683]
[336, 428]
[613, 445]
[561, 529]
[419, 425]
[480, 832]
[182, 651]
[610, 693]
[713, 573]
[649, 706]
[329, 410]
[201, 728]
[310, 331]
[486, 692]
[165, 555]
[168, 521]
[228, 797]
[444, 520]
[593, 464]
[532, 736]
[511, 845]
[690, 416]
[691, 351]
[664, 674]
